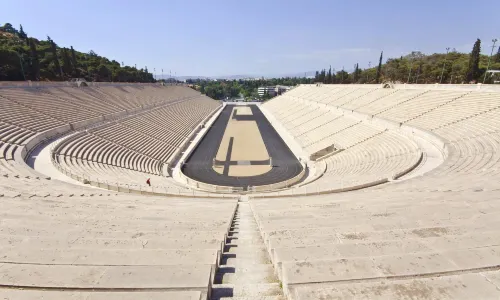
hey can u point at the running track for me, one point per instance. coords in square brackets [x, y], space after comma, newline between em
[199, 164]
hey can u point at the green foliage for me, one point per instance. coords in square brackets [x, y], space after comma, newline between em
[355, 75]
[10, 65]
[329, 76]
[424, 69]
[22, 34]
[74, 62]
[222, 89]
[343, 77]
[67, 67]
[7, 27]
[35, 64]
[44, 60]
[379, 68]
[473, 69]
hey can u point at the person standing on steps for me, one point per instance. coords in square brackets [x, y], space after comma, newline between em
[148, 181]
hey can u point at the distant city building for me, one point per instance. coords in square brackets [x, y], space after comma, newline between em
[272, 90]
[266, 90]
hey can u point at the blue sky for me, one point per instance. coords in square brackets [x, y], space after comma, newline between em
[260, 37]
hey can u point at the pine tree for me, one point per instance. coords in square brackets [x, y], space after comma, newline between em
[323, 75]
[66, 61]
[473, 69]
[54, 53]
[329, 76]
[35, 64]
[74, 63]
[497, 56]
[316, 77]
[379, 69]
[355, 75]
[22, 34]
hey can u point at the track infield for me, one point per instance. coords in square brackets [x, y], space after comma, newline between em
[238, 149]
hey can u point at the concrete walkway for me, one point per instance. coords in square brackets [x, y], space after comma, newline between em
[39, 159]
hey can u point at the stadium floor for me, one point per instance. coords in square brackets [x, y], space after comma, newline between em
[199, 164]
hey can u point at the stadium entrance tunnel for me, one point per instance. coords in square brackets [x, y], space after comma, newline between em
[242, 150]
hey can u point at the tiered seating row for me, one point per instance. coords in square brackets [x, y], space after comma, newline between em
[95, 149]
[420, 105]
[101, 106]
[402, 235]
[24, 113]
[131, 97]
[431, 237]
[58, 108]
[69, 241]
[12, 113]
[136, 141]
[109, 242]
[469, 105]
[370, 154]
[144, 142]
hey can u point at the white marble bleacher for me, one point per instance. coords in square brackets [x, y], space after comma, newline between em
[430, 237]
[58, 108]
[128, 152]
[33, 111]
[371, 237]
[422, 104]
[389, 154]
[347, 98]
[468, 105]
[136, 141]
[368, 98]
[82, 97]
[333, 95]
[133, 96]
[86, 240]
[378, 105]
[62, 241]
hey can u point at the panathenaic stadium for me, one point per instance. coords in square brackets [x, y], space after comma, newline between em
[324, 192]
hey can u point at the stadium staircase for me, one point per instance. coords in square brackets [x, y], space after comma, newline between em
[245, 271]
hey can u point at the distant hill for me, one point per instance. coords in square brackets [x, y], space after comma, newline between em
[309, 74]
[27, 58]
[418, 67]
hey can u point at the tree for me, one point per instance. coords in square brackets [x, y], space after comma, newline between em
[322, 76]
[66, 62]
[74, 63]
[473, 69]
[104, 73]
[343, 75]
[379, 69]
[497, 56]
[9, 66]
[21, 33]
[45, 60]
[355, 75]
[55, 59]
[35, 63]
[7, 27]
[329, 76]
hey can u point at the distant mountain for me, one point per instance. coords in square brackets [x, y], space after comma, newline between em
[292, 75]
[238, 77]
[181, 77]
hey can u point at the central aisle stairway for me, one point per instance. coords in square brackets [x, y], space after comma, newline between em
[245, 270]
